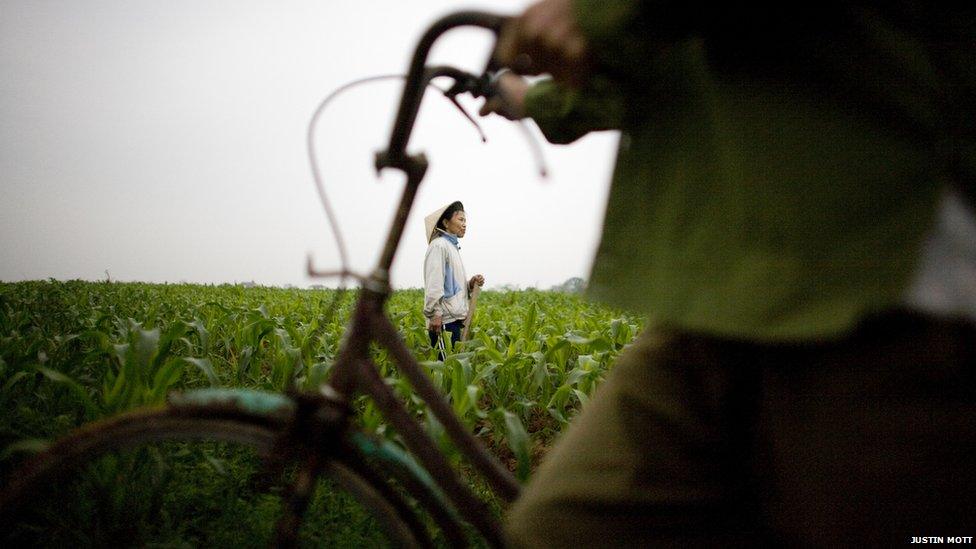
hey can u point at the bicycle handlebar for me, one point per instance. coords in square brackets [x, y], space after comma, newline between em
[418, 76]
[395, 155]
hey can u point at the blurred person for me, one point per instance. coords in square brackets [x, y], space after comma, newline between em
[792, 206]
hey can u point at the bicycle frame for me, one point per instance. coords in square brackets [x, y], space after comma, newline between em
[355, 372]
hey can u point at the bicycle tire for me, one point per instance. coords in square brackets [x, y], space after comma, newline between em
[133, 430]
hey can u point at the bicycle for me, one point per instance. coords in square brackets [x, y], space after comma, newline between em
[313, 430]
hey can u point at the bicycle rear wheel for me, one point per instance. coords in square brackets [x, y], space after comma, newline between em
[177, 476]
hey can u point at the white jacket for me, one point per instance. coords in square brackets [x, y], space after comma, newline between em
[441, 254]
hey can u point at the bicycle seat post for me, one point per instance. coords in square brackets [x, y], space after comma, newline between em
[415, 167]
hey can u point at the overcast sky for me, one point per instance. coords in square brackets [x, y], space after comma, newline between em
[165, 141]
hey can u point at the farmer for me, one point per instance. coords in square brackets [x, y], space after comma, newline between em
[446, 286]
[792, 205]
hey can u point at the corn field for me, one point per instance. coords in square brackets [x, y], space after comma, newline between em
[74, 352]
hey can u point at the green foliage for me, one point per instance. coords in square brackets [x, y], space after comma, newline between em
[72, 352]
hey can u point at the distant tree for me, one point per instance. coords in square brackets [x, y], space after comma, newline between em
[575, 285]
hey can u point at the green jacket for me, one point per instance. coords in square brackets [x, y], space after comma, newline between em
[776, 172]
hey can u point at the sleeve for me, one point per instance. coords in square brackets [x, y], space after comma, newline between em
[564, 114]
[434, 281]
[626, 39]
[632, 45]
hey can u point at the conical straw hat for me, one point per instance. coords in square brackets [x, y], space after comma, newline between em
[431, 221]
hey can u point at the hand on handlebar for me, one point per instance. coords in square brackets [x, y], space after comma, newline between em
[545, 39]
[509, 99]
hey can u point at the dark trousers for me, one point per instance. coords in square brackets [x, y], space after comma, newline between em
[454, 328]
[696, 441]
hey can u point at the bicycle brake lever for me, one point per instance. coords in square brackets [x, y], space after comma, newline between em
[453, 99]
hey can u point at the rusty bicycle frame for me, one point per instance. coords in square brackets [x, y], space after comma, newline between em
[355, 372]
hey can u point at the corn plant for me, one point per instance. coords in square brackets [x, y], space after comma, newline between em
[75, 351]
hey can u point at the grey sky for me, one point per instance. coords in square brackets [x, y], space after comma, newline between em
[165, 141]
